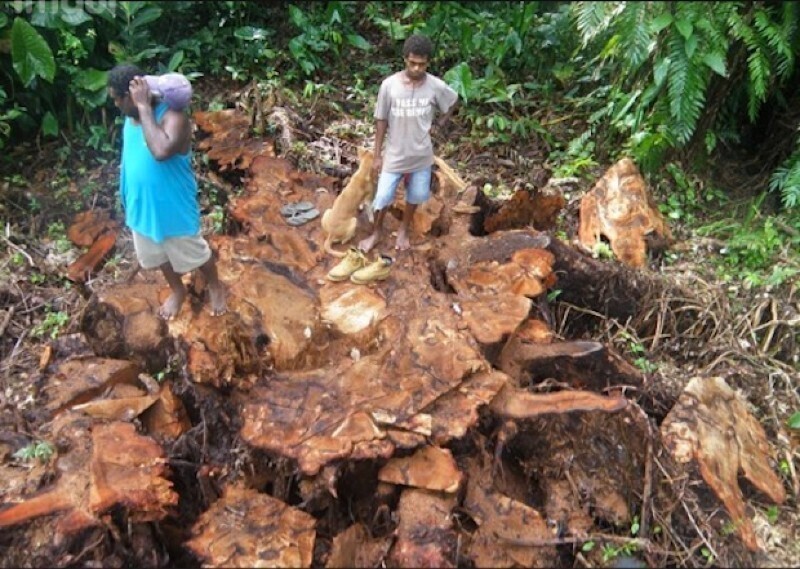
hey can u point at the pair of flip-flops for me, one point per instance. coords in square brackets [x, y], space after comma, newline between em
[299, 213]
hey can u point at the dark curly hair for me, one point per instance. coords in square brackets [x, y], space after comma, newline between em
[418, 45]
[119, 78]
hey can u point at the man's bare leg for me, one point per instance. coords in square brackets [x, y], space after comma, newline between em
[403, 242]
[172, 306]
[216, 290]
[368, 243]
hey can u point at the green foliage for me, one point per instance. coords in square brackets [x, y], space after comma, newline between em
[39, 450]
[52, 325]
[786, 180]
[31, 55]
[641, 361]
[685, 197]
[17, 259]
[602, 250]
[707, 555]
[324, 30]
[611, 551]
[794, 421]
[57, 233]
[772, 513]
[576, 158]
[217, 218]
[661, 61]
[758, 249]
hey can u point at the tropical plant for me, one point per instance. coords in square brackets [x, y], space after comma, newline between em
[684, 75]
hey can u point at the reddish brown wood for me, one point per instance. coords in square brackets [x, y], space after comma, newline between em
[88, 263]
[711, 425]
[88, 226]
[620, 208]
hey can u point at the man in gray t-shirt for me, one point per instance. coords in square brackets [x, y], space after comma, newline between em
[405, 107]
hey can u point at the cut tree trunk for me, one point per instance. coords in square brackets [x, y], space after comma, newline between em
[437, 394]
[620, 208]
[109, 467]
[711, 425]
[246, 528]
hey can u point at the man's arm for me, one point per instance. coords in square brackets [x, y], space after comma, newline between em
[380, 134]
[445, 117]
[439, 126]
[164, 140]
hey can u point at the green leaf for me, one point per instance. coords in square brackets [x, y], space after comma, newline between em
[410, 10]
[716, 61]
[46, 19]
[794, 421]
[72, 15]
[249, 33]
[3, 20]
[297, 17]
[691, 46]
[30, 53]
[49, 124]
[358, 41]
[661, 22]
[660, 71]
[588, 546]
[175, 60]
[460, 79]
[684, 28]
[91, 79]
[145, 16]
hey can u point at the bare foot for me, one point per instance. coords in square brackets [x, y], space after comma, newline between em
[219, 304]
[403, 244]
[172, 306]
[368, 243]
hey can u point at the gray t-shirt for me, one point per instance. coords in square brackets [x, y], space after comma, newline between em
[409, 112]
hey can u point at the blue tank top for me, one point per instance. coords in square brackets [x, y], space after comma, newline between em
[160, 197]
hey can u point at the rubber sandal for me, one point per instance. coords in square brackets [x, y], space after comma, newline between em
[302, 217]
[292, 209]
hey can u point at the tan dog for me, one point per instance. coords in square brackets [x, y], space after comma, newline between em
[339, 222]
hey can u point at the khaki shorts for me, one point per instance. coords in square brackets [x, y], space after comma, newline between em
[183, 253]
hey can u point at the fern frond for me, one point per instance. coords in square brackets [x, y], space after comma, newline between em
[686, 87]
[633, 25]
[775, 39]
[786, 180]
[593, 18]
[758, 69]
[713, 26]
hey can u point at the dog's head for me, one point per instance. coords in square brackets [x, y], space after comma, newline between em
[365, 157]
[364, 154]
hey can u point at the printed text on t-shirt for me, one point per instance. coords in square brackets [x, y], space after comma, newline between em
[410, 107]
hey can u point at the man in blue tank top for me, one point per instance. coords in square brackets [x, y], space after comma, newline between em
[159, 190]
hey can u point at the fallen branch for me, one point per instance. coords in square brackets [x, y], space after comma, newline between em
[644, 522]
[19, 249]
[6, 320]
[640, 543]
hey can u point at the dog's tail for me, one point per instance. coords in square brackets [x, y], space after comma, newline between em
[329, 250]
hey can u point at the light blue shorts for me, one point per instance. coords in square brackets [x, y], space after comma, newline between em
[418, 188]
